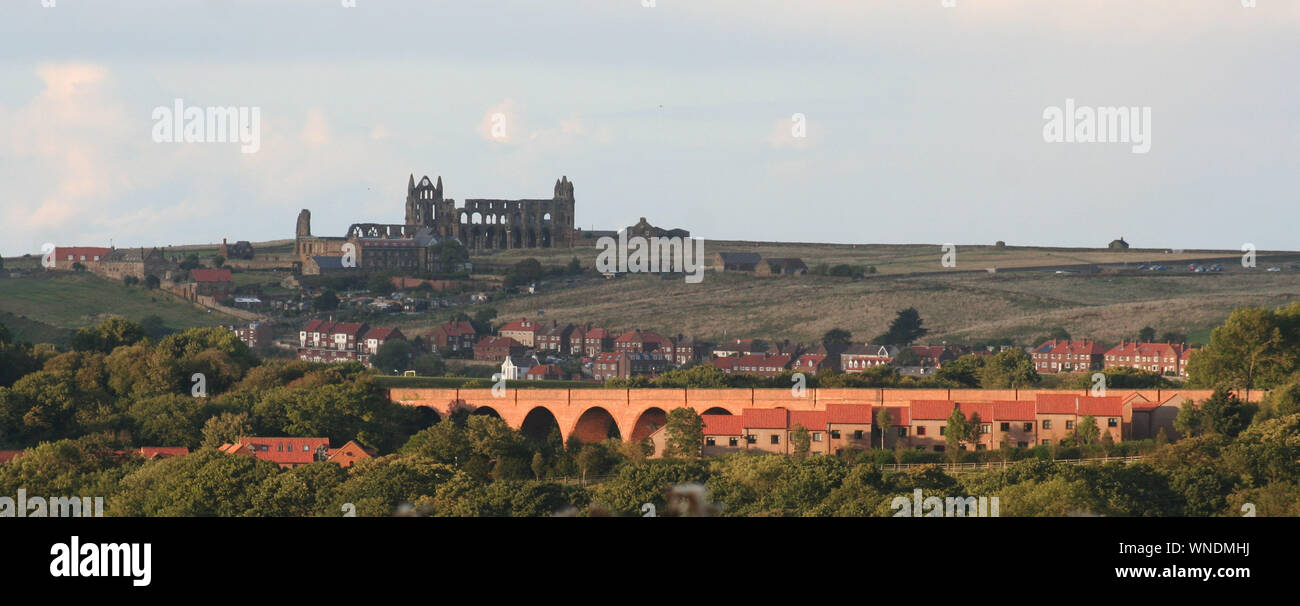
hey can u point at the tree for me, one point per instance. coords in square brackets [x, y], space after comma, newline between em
[1225, 415]
[538, 465]
[1146, 335]
[837, 336]
[393, 356]
[884, 421]
[226, 428]
[904, 329]
[800, 441]
[1086, 431]
[218, 261]
[574, 267]
[191, 261]
[685, 433]
[957, 431]
[326, 301]
[1254, 348]
[1012, 368]
[152, 282]
[964, 370]
[907, 357]
[129, 280]
[108, 335]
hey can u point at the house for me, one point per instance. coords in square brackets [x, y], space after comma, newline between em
[212, 282]
[515, 367]
[639, 342]
[451, 337]
[859, 357]
[88, 256]
[323, 265]
[325, 341]
[591, 341]
[817, 422]
[242, 249]
[545, 372]
[374, 339]
[1068, 356]
[849, 426]
[735, 261]
[1058, 415]
[1015, 422]
[1168, 359]
[285, 452]
[762, 365]
[781, 266]
[736, 348]
[163, 452]
[934, 356]
[9, 455]
[930, 423]
[522, 330]
[624, 365]
[556, 338]
[497, 349]
[766, 429]
[684, 350]
[255, 335]
[349, 453]
[723, 434]
[812, 363]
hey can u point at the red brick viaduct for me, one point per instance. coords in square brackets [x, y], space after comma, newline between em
[593, 415]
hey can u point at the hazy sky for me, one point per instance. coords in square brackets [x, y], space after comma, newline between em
[924, 123]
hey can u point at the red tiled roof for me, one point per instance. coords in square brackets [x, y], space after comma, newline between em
[983, 409]
[163, 452]
[1055, 403]
[898, 415]
[810, 419]
[932, 410]
[523, 324]
[810, 360]
[348, 328]
[456, 329]
[543, 370]
[90, 252]
[596, 333]
[722, 425]
[765, 418]
[1162, 350]
[9, 455]
[381, 333]
[1013, 410]
[313, 325]
[1070, 347]
[723, 363]
[211, 275]
[282, 451]
[1110, 406]
[849, 413]
[498, 342]
[641, 336]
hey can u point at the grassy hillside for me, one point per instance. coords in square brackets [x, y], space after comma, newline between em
[77, 300]
[956, 307]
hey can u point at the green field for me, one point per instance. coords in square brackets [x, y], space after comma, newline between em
[73, 301]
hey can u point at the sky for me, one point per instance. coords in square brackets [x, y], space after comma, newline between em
[849, 121]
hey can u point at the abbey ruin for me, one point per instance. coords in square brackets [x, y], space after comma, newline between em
[480, 225]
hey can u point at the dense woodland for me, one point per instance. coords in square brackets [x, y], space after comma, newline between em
[79, 413]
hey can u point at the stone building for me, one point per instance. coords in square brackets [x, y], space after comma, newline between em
[136, 262]
[431, 218]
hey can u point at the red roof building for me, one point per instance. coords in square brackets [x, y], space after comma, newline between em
[285, 452]
[1068, 356]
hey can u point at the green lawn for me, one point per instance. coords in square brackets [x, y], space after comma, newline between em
[80, 300]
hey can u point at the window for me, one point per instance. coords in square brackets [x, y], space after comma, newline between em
[857, 434]
[1047, 424]
[938, 449]
[835, 434]
[733, 441]
[1022, 444]
[306, 448]
[1006, 427]
[920, 430]
[751, 439]
[943, 430]
[1047, 442]
[817, 436]
[1029, 426]
[980, 447]
[920, 448]
[776, 439]
[902, 431]
[986, 428]
[1069, 424]
[709, 442]
[1112, 422]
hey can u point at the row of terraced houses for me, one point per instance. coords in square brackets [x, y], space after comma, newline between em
[922, 424]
